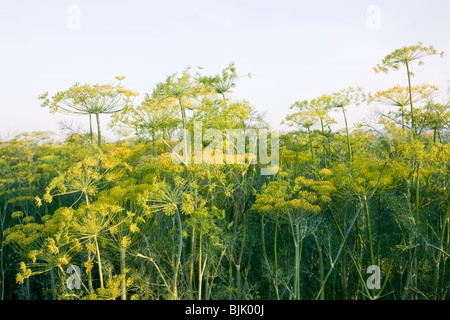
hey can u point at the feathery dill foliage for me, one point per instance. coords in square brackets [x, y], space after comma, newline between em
[139, 226]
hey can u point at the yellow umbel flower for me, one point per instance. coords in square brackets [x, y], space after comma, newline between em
[126, 242]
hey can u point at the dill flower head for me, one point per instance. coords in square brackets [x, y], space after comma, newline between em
[126, 242]
[134, 228]
[17, 215]
[325, 173]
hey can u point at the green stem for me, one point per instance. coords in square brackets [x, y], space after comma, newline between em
[99, 261]
[91, 287]
[98, 130]
[276, 259]
[413, 125]
[183, 115]
[296, 239]
[403, 117]
[213, 277]
[241, 254]
[406, 288]
[369, 231]
[122, 272]
[310, 144]
[90, 129]
[153, 143]
[324, 144]
[2, 261]
[180, 247]
[321, 266]
[200, 268]
[191, 270]
[444, 224]
[349, 147]
[53, 284]
[417, 193]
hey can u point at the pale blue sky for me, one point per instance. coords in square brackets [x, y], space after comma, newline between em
[294, 50]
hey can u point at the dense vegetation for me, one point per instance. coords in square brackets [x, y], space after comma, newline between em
[140, 226]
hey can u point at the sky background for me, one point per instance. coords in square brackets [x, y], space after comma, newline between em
[294, 50]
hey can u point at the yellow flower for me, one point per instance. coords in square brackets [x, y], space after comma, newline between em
[134, 228]
[326, 173]
[88, 265]
[52, 246]
[38, 201]
[169, 209]
[126, 242]
[63, 261]
[19, 278]
[17, 214]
